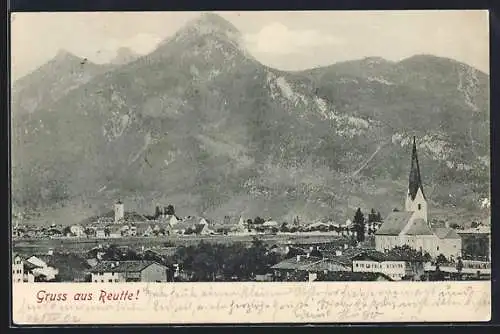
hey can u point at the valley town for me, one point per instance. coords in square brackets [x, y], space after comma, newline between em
[122, 246]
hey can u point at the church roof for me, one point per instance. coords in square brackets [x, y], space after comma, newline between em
[415, 180]
[419, 227]
[446, 233]
[394, 223]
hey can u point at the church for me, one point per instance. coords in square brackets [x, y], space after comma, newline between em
[411, 227]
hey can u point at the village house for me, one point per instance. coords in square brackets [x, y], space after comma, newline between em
[128, 271]
[171, 220]
[22, 271]
[270, 224]
[397, 264]
[310, 264]
[77, 231]
[411, 227]
[230, 225]
[191, 225]
[42, 270]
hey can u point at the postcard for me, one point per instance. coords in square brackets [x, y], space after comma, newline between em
[250, 167]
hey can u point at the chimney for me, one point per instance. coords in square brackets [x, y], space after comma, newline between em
[311, 248]
[346, 246]
[446, 224]
[298, 258]
[338, 252]
[308, 254]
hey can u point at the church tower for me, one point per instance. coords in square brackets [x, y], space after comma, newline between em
[119, 211]
[415, 198]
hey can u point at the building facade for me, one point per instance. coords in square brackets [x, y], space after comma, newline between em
[22, 271]
[128, 271]
[395, 266]
[412, 228]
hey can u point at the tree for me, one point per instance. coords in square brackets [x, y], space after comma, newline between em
[157, 212]
[359, 225]
[296, 221]
[372, 216]
[89, 232]
[67, 231]
[379, 217]
[460, 265]
[258, 221]
[170, 210]
[189, 230]
[441, 259]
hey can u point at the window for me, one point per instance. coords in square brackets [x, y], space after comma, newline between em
[13, 271]
[420, 206]
[116, 280]
[95, 281]
[102, 281]
[112, 274]
[437, 248]
[110, 281]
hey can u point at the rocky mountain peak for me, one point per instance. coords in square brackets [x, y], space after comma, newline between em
[208, 25]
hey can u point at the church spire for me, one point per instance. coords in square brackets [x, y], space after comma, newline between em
[415, 180]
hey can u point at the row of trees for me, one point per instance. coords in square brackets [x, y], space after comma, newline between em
[360, 222]
[209, 262]
[212, 262]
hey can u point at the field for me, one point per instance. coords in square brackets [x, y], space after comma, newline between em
[84, 244]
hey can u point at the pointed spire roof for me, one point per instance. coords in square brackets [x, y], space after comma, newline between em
[415, 180]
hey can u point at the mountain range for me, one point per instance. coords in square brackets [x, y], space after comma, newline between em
[203, 125]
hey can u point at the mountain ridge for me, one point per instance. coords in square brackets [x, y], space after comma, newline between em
[200, 124]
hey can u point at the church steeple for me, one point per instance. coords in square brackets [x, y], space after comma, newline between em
[415, 199]
[415, 181]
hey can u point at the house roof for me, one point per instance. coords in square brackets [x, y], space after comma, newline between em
[184, 225]
[394, 223]
[419, 227]
[392, 255]
[229, 226]
[446, 233]
[122, 266]
[330, 265]
[134, 217]
[30, 266]
[188, 222]
[198, 228]
[167, 218]
[352, 276]
[164, 251]
[293, 264]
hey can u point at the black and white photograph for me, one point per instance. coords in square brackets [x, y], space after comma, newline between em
[328, 146]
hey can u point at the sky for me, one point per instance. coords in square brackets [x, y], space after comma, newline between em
[283, 40]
